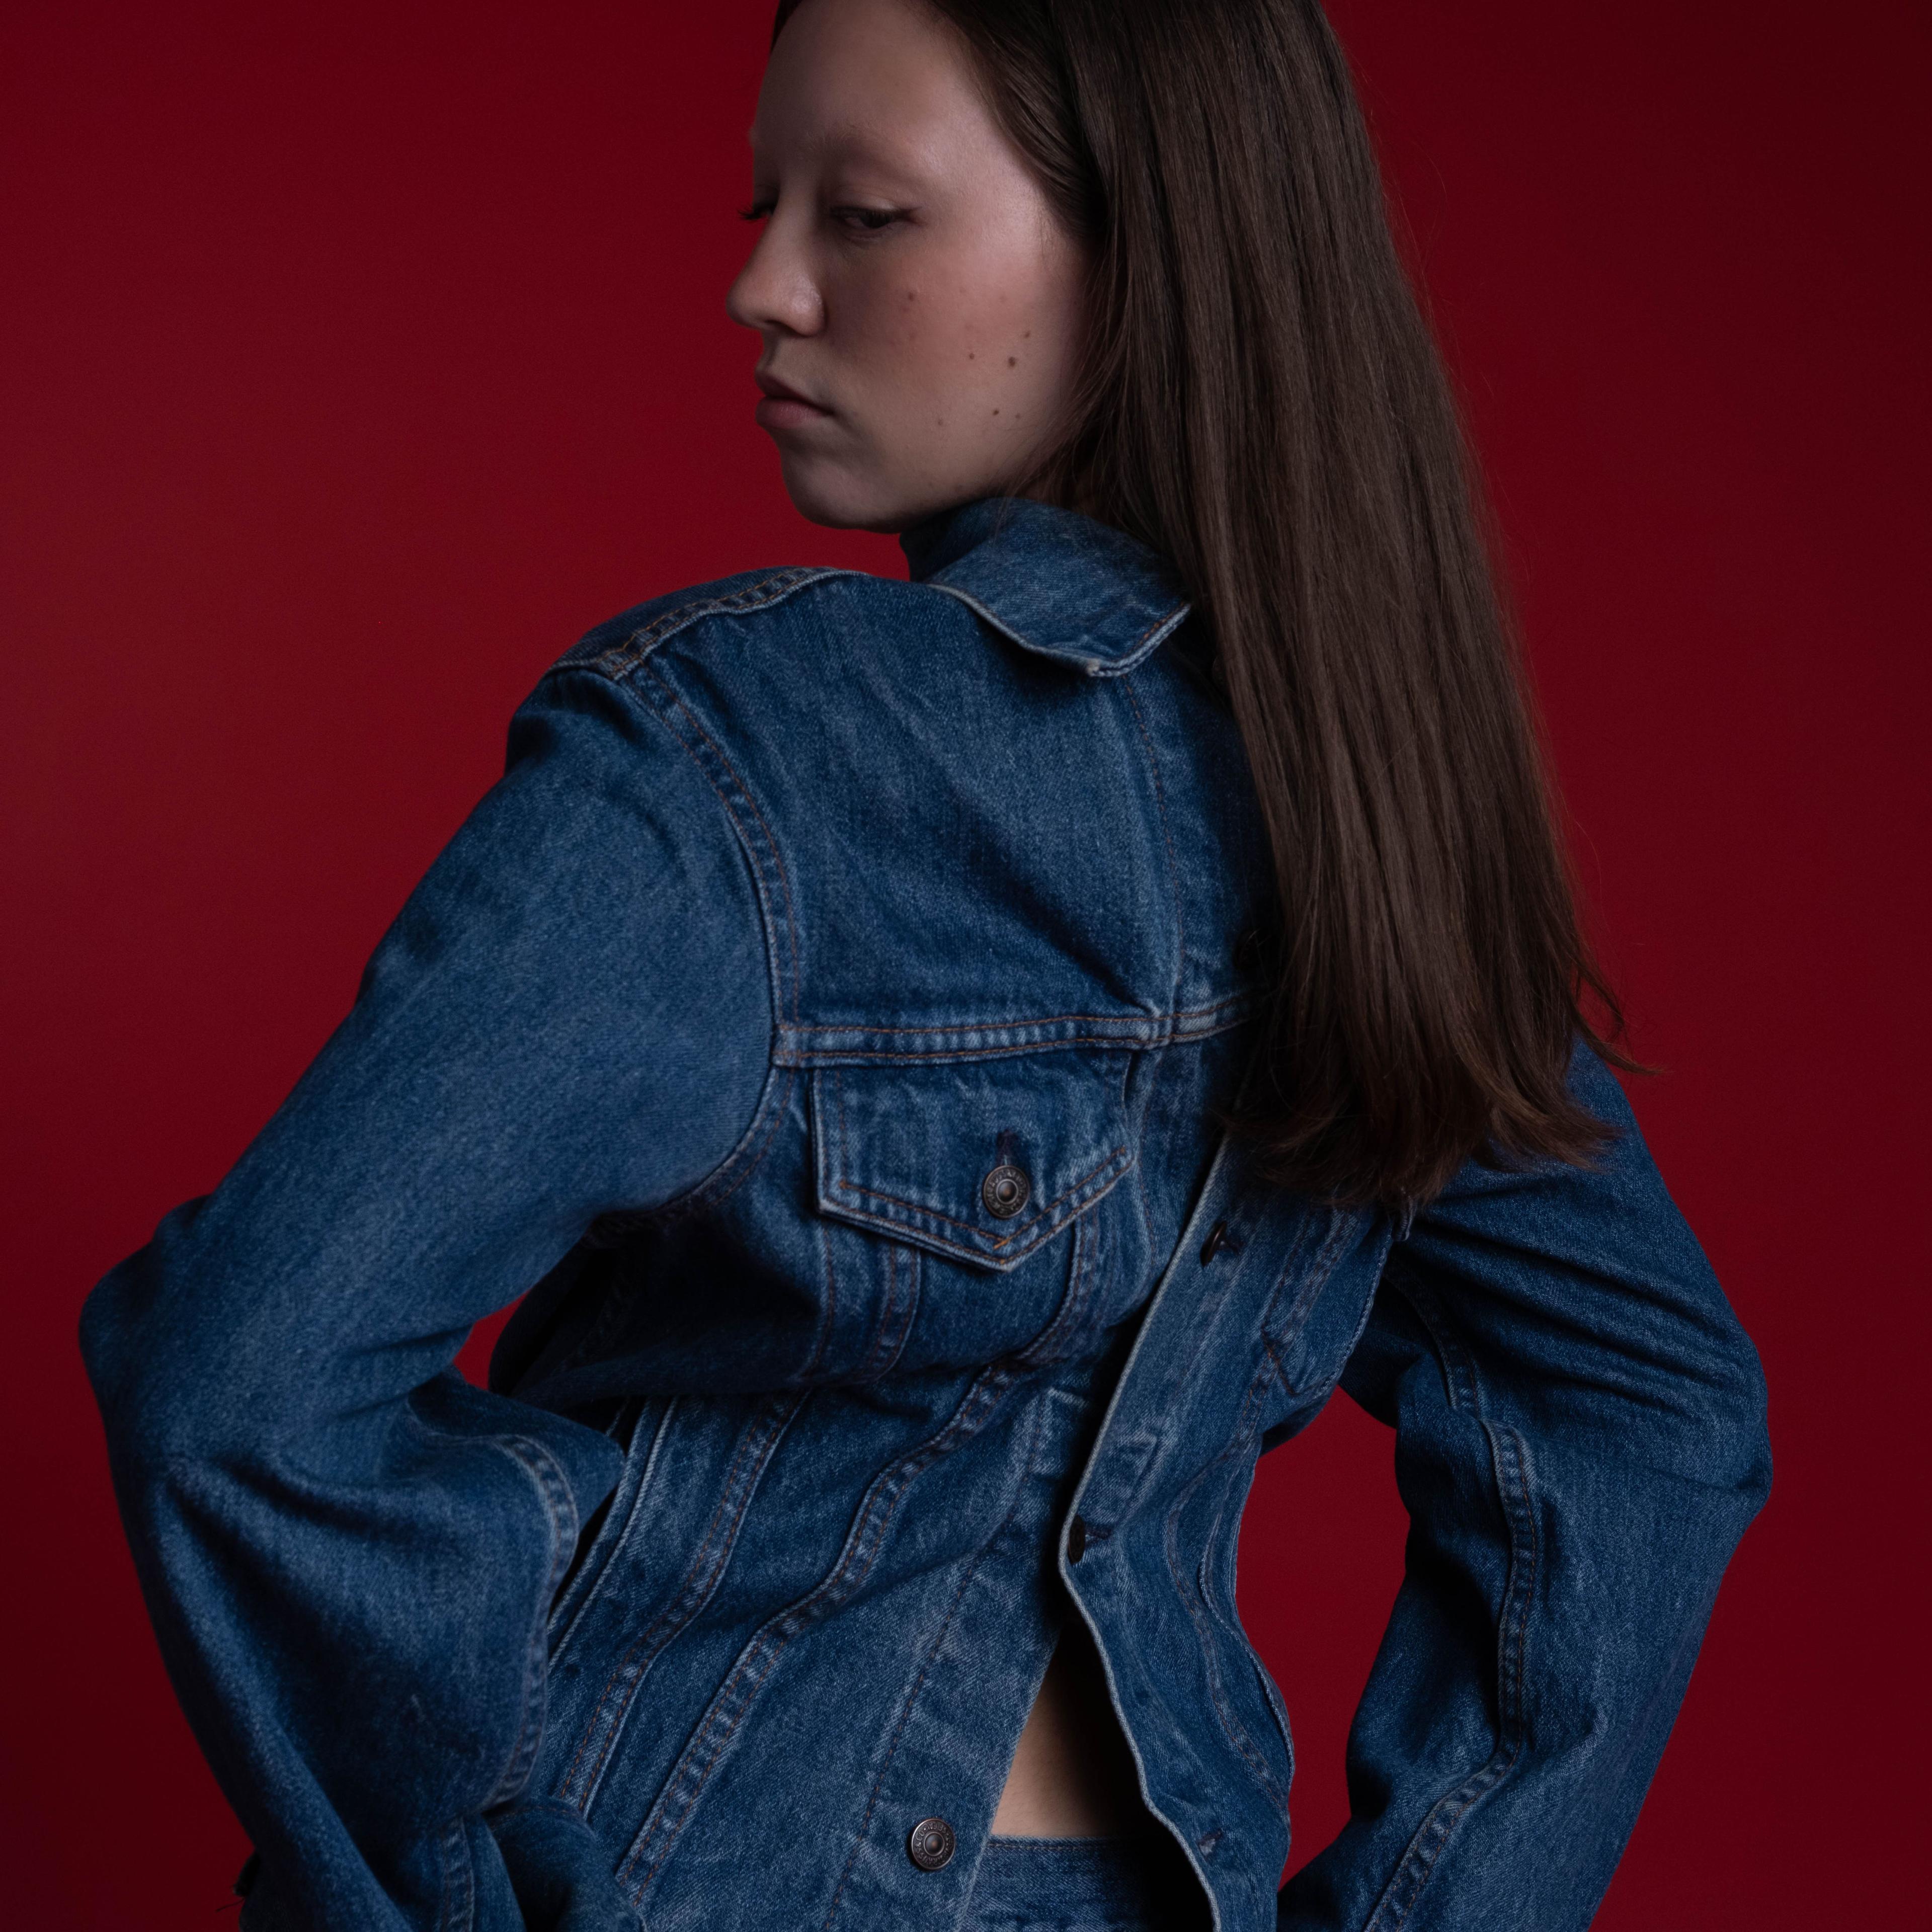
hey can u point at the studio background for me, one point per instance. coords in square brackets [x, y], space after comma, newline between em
[355, 358]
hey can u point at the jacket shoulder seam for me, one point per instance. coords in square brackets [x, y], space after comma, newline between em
[651, 699]
[617, 658]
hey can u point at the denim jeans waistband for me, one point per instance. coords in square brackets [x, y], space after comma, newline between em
[1084, 1885]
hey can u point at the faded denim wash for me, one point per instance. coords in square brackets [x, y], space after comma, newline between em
[823, 1020]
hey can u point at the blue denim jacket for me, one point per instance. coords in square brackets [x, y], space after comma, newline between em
[823, 1020]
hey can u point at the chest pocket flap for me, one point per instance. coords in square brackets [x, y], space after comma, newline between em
[981, 1160]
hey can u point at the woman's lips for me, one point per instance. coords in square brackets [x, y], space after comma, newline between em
[785, 411]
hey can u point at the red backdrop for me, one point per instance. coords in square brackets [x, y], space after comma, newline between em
[358, 357]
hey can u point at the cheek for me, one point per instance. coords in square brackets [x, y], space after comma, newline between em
[901, 329]
[962, 342]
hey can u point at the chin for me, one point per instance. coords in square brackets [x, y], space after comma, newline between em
[838, 499]
[841, 500]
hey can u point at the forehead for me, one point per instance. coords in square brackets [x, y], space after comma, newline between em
[887, 81]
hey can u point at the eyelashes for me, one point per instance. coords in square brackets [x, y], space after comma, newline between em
[853, 219]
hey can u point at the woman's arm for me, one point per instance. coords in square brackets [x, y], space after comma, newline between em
[348, 1553]
[1580, 1442]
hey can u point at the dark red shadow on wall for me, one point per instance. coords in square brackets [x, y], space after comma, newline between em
[356, 358]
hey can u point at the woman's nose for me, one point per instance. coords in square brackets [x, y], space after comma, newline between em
[775, 289]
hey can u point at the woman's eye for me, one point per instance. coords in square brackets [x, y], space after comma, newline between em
[756, 211]
[864, 220]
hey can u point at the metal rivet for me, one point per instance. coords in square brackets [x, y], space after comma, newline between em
[1005, 1190]
[930, 1843]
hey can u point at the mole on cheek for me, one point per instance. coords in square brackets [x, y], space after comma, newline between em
[1012, 362]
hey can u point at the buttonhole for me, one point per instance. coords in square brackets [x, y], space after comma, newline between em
[1218, 1242]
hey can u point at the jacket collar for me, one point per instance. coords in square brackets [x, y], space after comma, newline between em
[1055, 582]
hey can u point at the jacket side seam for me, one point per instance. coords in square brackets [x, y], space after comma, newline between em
[1219, 1602]
[1201, 1616]
[1245, 1432]
[1511, 1473]
[553, 1491]
[633, 1485]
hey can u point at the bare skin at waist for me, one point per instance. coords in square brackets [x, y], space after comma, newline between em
[1073, 1776]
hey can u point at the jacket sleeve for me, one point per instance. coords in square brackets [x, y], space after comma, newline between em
[348, 1553]
[1580, 1442]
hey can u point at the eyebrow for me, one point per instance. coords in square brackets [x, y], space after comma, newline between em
[851, 141]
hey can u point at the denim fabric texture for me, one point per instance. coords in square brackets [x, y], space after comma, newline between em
[821, 1026]
[1082, 1885]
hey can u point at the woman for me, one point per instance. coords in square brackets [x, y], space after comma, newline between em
[966, 1065]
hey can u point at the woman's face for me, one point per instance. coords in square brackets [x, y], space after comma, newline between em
[909, 282]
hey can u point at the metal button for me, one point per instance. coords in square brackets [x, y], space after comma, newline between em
[1076, 1539]
[930, 1843]
[1005, 1190]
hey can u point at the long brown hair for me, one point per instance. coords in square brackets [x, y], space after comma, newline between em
[1262, 402]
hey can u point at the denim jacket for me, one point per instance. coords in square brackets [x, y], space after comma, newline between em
[821, 1026]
